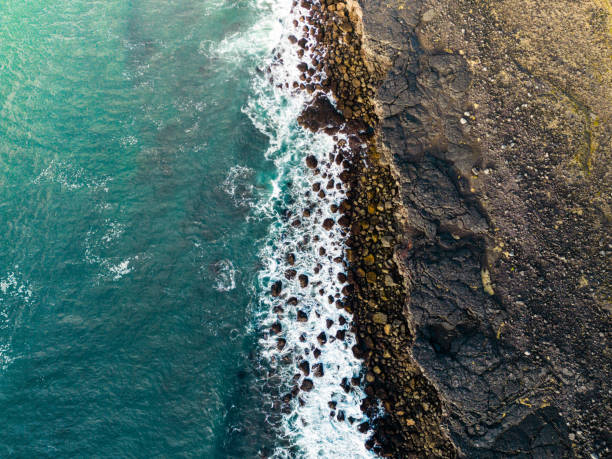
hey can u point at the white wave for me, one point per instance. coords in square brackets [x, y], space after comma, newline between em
[15, 296]
[257, 40]
[225, 279]
[103, 237]
[70, 177]
[120, 269]
[274, 110]
[239, 186]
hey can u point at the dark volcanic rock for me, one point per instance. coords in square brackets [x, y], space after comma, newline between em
[311, 162]
[321, 113]
[276, 288]
[303, 278]
[504, 233]
[328, 223]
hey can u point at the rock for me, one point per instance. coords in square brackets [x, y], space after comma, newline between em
[389, 281]
[379, 318]
[486, 282]
[322, 338]
[312, 162]
[328, 223]
[302, 316]
[317, 370]
[291, 258]
[280, 344]
[428, 16]
[303, 278]
[276, 288]
[364, 427]
[307, 385]
[304, 366]
[344, 221]
[290, 274]
[276, 328]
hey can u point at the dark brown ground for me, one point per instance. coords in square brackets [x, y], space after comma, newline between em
[498, 117]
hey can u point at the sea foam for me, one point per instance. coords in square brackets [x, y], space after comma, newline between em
[309, 425]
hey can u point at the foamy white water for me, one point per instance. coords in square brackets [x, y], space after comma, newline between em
[321, 422]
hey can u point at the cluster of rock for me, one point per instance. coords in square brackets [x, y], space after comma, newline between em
[376, 293]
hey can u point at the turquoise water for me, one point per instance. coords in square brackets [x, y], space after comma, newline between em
[142, 181]
[117, 131]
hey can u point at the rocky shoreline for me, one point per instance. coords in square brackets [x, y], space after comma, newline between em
[377, 294]
[454, 125]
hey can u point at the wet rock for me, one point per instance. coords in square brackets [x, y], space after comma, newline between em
[290, 274]
[291, 259]
[304, 366]
[344, 221]
[276, 328]
[322, 338]
[303, 278]
[281, 343]
[312, 162]
[317, 370]
[276, 288]
[307, 385]
[328, 223]
[302, 316]
[320, 114]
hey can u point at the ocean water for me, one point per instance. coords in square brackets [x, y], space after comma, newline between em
[151, 171]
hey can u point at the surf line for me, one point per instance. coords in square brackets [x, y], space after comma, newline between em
[313, 373]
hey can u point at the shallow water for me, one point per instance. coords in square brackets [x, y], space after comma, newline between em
[146, 166]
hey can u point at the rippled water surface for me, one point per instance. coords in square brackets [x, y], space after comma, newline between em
[144, 170]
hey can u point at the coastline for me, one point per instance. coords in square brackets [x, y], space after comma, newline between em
[378, 294]
[458, 131]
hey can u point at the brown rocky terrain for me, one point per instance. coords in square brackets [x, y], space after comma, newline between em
[498, 117]
[478, 164]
